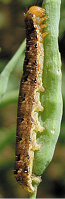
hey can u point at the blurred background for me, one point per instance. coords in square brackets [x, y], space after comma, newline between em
[12, 33]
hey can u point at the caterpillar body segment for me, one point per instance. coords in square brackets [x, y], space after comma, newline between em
[29, 99]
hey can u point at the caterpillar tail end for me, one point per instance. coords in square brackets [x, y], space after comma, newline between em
[30, 188]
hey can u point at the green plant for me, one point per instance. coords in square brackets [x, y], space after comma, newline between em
[52, 97]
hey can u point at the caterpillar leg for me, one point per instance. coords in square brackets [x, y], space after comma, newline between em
[43, 26]
[44, 34]
[35, 146]
[43, 19]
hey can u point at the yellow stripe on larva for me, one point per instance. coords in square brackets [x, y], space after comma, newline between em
[29, 99]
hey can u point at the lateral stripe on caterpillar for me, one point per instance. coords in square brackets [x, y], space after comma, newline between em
[29, 98]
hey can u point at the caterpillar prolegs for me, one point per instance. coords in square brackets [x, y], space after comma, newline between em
[29, 98]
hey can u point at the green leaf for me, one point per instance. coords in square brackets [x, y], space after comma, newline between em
[7, 136]
[4, 77]
[9, 97]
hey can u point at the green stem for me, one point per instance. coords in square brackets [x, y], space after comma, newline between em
[51, 99]
[33, 195]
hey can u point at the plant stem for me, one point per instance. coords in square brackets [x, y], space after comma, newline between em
[51, 99]
[33, 195]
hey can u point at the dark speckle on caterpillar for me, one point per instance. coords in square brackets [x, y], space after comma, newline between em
[29, 99]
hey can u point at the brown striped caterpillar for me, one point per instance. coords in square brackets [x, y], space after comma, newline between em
[29, 98]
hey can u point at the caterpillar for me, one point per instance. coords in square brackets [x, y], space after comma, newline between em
[29, 99]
